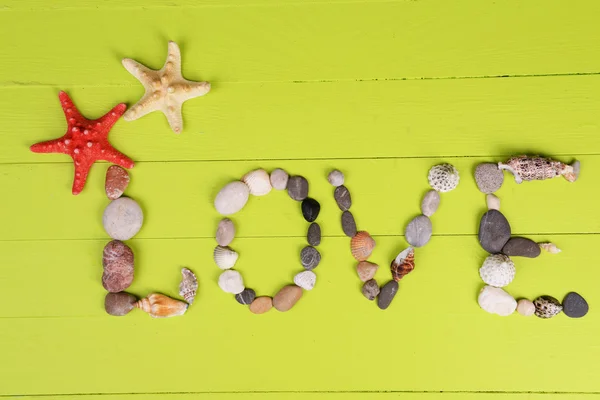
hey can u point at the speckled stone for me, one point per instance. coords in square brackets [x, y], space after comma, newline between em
[370, 289]
[119, 304]
[117, 180]
[387, 294]
[489, 177]
[336, 178]
[575, 306]
[310, 209]
[313, 236]
[287, 297]
[261, 305]
[279, 179]
[418, 231]
[246, 297]
[348, 224]
[494, 231]
[342, 197]
[521, 247]
[430, 203]
[297, 187]
[118, 264]
[310, 258]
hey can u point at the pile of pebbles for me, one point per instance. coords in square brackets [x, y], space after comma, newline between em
[498, 269]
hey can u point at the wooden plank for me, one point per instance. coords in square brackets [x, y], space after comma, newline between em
[301, 41]
[437, 118]
[335, 396]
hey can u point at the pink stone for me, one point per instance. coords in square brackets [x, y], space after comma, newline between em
[117, 261]
[117, 180]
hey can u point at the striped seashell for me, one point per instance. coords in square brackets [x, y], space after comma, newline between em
[403, 264]
[225, 257]
[550, 248]
[188, 286]
[526, 168]
[362, 245]
[161, 306]
[306, 280]
[258, 181]
[443, 178]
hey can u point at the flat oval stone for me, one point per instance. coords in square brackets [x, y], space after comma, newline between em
[489, 177]
[122, 218]
[313, 236]
[119, 304]
[366, 270]
[225, 232]
[310, 258]
[117, 180]
[117, 262]
[575, 306]
[370, 289]
[387, 294]
[310, 209]
[261, 305]
[348, 224]
[494, 231]
[279, 179]
[232, 198]
[430, 203]
[418, 231]
[342, 197]
[287, 297]
[246, 297]
[297, 187]
[521, 247]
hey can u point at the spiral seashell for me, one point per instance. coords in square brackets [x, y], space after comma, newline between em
[306, 280]
[188, 286]
[497, 270]
[258, 181]
[443, 177]
[547, 307]
[496, 301]
[526, 168]
[550, 248]
[225, 257]
[161, 306]
[362, 245]
[403, 264]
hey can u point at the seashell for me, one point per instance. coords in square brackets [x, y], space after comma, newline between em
[306, 280]
[403, 263]
[525, 307]
[525, 168]
[496, 301]
[225, 232]
[547, 307]
[550, 248]
[161, 306]
[497, 270]
[336, 178]
[258, 182]
[231, 281]
[232, 198]
[188, 286]
[362, 245]
[443, 177]
[225, 257]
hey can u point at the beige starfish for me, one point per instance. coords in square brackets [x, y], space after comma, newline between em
[166, 89]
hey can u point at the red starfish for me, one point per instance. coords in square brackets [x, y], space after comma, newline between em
[86, 141]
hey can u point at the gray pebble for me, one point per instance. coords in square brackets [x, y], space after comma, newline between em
[521, 247]
[314, 234]
[370, 289]
[430, 203]
[246, 297]
[575, 306]
[418, 231]
[348, 224]
[494, 231]
[387, 294]
[310, 258]
[336, 178]
[342, 197]
[489, 177]
[297, 187]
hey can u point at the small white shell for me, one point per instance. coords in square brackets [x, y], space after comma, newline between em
[306, 280]
[258, 182]
[525, 307]
[497, 270]
[496, 301]
[550, 248]
[279, 179]
[225, 232]
[336, 178]
[231, 281]
[493, 202]
[225, 257]
[232, 198]
[443, 177]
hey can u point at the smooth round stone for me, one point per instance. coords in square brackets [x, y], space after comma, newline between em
[117, 180]
[489, 177]
[342, 197]
[430, 203]
[118, 265]
[493, 202]
[287, 297]
[122, 218]
[370, 289]
[310, 258]
[575, 306]
[279, 179]
[231, 281]
[297, 187]
[119, 304]
[232, 198]
[310, 209]
[261, 305]
[521, 247]
[525, 307]
[494, 231]
[313, 236]
[336, 178]
[225, 232]
[246, 297]
[387, 294]
[348, 224]
[366, 270]
[418, 231]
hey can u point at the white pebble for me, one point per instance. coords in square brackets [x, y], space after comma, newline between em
[122, 218]
[231, 281]
[279, 179]
[232, 198]
[306, 280]
[336, 178]
[493, 202]
[525, 307]
[496, 301]
[225, 232]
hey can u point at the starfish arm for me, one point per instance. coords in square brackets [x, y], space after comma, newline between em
[142, 73]
[111, 117]
[173, 114]
[114, 156]
[191, 89]
[69, 107]
[172, 66]
[51, 146]
[82, 168]
[146, 105]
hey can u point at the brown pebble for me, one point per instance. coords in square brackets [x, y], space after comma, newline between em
[370, 289]
[261, 305]
[285, 299]
[119, 304]
[117, 260]
[117, 180]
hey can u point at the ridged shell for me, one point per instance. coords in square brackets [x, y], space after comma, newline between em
[306, 280]
[497, 270]
[403, 264]
[443, 177]
[161, 306]
[526, 168]
[496, 301]
[362, 245]
[188, 286]
[232, 198]
[231, 281]
[547, 307]
[550, 248]
[258, 181]
[225, 257]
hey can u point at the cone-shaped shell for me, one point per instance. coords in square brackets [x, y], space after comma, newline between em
[362, 245]
[225, 257]
[403, 263]
[258, 181]
[550, 248]
[161, 306]
[188, 286]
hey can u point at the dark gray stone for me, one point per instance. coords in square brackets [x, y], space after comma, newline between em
[342, 197]
[314, 234]
[575, 306]
[297, 187]
[387, 294]
[310, 258]
[521, 247]
[489, 177]
[418, 231]
[310, 209]
[246, 297]
[370, 289]
[348, 224]
[494, 231]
